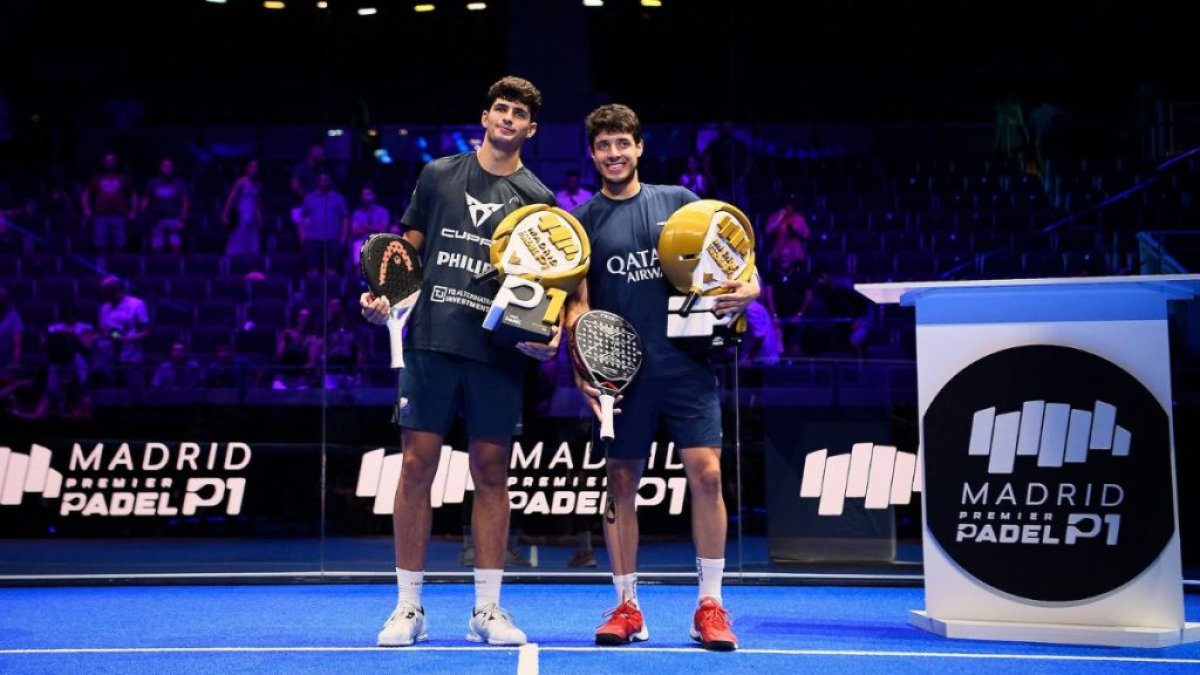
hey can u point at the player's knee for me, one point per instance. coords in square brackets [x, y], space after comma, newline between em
[489, 471]
[417, 473]
[489, 476]
[707, 481]
[623, 483]
[416, 483]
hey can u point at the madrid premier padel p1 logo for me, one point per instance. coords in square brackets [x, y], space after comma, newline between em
[1048, 473]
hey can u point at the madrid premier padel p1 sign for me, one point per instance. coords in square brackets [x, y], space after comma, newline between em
[1048, 473]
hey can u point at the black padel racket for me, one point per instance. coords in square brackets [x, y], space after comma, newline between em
[391, 267]
[608, 353]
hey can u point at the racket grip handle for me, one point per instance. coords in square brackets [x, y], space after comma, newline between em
[396, 333]
[606, 417]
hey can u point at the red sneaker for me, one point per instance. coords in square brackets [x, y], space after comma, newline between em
[625, 624]
[710, 627]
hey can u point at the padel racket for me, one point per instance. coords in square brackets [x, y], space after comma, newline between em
[391, 267]
[607, 352]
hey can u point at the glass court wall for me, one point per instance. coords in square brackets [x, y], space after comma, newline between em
[241, 423]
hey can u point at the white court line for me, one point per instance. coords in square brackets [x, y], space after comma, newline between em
[314, 574]
[852, 652]
[609, 650]
[527, 659]
[247, 650]
[646, 576]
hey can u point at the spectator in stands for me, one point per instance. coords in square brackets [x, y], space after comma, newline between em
[243, 212]
[179, 372]
[11, 330]
[849, 311]
[324, 228]
[1043, 121]
[69, 399]
[306, 174]
[67, 345]
[787, 229]
[21, 396]
[573, 194]
[693, 178]
[369, 218]
[1012, 140]
[762, 338]
[109, 203]
[61, 209]
[124, 324]
[165, 204]
[726, 161]
[345, 348]
[788, 295]
[225, 372]
[297, 352]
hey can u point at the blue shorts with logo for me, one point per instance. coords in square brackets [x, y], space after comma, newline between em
[434, 386]
[688, 403]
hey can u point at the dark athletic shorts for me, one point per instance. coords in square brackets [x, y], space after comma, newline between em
[689, 403]
[434, 386]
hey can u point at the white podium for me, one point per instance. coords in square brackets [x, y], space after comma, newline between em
[1049, 503]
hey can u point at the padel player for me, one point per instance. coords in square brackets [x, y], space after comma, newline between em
[623, 222]
[451, 364]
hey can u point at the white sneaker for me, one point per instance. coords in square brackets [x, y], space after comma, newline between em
[405, 626]
[493, 625]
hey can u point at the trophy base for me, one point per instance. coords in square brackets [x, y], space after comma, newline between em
[523, 324]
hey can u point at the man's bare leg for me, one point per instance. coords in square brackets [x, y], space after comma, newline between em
[411, 521]
[413, 514]
[490, 512]
[709, 518]
[621, 524]
[710, 624]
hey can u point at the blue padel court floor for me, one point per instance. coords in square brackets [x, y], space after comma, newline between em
[331, 629]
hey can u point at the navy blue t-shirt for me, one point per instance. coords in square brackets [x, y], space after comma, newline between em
[457, 206]
[625, 277]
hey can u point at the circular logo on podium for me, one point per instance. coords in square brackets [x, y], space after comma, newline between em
[1048, 473]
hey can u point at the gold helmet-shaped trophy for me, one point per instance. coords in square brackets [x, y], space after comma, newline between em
[541, 254]
[703, 245]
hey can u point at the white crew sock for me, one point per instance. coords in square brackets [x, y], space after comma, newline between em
[710, 571]
[409, 586]
[626, 585]
[487, 587]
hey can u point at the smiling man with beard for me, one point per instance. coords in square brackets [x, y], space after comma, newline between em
[623, 223]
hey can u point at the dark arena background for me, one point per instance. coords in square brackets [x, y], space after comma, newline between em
[217, 493]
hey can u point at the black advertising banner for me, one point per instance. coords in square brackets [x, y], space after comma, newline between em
[551, 476]
[98, 487]
[112, 487]
[834, 522]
